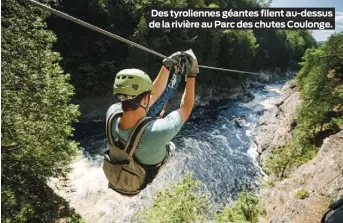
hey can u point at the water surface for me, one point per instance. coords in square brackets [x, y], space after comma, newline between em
[221, 155]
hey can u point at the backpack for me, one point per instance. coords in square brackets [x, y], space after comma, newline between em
[123, 173]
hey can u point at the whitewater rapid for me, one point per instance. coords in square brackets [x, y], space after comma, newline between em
[221, 155]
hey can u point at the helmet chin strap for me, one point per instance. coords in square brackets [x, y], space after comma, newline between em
[146, 108]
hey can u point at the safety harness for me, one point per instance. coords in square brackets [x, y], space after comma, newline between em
[157, 109]
[124, 174]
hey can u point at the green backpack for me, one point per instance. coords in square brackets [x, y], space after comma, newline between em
[123, 173]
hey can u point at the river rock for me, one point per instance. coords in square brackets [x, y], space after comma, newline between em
[94, 108]
[322, 178]
[240, 121]
[267, 76]
[277, 121]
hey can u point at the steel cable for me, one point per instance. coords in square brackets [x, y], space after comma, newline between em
[97, 29]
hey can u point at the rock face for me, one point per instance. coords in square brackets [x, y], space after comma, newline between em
[92, 108]
[95, 107]
[276, 123]
[322, 178]
[231, 88]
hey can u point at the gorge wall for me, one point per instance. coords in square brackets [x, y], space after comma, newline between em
[322, 177]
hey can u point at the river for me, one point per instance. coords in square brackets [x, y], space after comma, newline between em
[221, 155]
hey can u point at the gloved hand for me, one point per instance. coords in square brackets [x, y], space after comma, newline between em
[194, 70]
[169, 63]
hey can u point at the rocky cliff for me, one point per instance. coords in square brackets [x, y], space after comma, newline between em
[277, 122]
[320, 180]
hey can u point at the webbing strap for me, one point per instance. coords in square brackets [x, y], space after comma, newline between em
[136, 135]
[133, 135]
[109, 126]
[170, 90]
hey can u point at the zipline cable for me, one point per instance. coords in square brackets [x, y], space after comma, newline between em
[97, 29]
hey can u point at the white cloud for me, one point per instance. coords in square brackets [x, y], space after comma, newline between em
[321, 35]
[339, 21]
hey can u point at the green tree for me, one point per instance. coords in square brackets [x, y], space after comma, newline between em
[247, 208]
[237, 50]
[320, 83]
[36, 115]
[281, 49]
[321, 113]
[91, 58]
[183, 203]
[140, 59]
[180, 203]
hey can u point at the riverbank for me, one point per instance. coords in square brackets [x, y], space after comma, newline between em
[275, 126]
[306, 193]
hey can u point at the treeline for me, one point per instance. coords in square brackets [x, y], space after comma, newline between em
[93, 59]
[321, 112]
[183, 202]
[320, 115]
[36, 117]
[36, 90]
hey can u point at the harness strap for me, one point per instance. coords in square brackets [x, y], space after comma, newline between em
[109, 126]
[173, 83]
[135, 135]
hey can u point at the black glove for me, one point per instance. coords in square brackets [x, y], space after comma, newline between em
[194, 69]
[172, 60]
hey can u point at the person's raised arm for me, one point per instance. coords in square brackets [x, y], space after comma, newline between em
[160, 83]
[187, 101]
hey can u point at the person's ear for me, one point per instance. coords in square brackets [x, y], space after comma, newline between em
[145, 100]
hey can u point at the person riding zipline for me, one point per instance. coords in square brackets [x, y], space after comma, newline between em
[139, 145]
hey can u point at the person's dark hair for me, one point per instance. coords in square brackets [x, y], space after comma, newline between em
[133, 104]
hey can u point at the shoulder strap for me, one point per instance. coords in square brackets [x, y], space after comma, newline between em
[137, 134]
[114, 111]
[109, 126]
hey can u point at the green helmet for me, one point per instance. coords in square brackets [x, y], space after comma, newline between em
[131, 82]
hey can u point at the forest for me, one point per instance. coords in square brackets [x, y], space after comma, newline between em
[321, 113]
[48, 62]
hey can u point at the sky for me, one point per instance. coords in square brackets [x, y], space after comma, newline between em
[319, 35]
